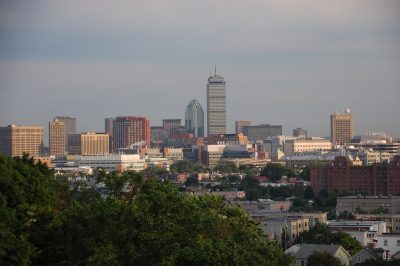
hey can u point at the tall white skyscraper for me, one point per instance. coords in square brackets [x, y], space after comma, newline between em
[216, 105]
[194, 119]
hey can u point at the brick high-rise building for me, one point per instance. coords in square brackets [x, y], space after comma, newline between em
[341, 128]
[17, 140]
[129, 130]
[376, 179]
[57, 141]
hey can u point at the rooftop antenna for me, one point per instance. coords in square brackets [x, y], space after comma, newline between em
[215, 69]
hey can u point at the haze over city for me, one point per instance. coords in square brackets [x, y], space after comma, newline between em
[285, 62]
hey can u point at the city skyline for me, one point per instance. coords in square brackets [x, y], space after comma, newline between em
[286, 62]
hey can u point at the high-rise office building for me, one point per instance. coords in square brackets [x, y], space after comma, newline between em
[130, 130]
[108, 125]
[74, 144]
[70, 124]
[194, 119]
[17, 140]
[95, 143]
[216, 105]
[57, 136]
[341, 128]
[171, 124]
[240, 124]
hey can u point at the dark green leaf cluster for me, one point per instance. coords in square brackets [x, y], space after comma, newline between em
[185, 166]
[226, 168]
[322, 234]
[380, 262]
[275, 171]
[323, 258]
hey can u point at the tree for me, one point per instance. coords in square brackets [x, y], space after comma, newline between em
[251, 186]
[275, 171]
[381, 262]
[308, 193]
[322, 234]
[185, 166]
[226, 168]
[323, 258]
[154, 171]
[29, 199]
[43, 222]
[305, 173]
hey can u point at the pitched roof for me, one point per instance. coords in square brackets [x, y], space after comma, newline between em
[306, 250]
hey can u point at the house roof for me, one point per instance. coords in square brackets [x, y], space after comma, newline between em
[306, 250]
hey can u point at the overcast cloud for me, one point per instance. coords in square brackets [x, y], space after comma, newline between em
[289, 62]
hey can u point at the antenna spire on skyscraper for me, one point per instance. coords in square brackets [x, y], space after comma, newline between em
[215, 69]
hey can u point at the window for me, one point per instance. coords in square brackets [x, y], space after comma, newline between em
[358, 259]
[385, 242]
[398, 242]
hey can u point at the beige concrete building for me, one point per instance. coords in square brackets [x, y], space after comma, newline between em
[392, 220]
[173, 154]
[251, 162]
[341, 128]
[295, 146]
[274, 228]
[371, 157]
[17, 140]
[262, 207]
[57, 135]
[313, 217]
[95, 143]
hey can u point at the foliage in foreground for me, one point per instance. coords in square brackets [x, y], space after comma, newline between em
[322, 234]
[139, 223]
[323, 258]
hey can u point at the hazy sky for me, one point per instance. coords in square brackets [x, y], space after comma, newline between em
[289, 62]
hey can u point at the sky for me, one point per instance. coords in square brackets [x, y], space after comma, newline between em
[288, 62]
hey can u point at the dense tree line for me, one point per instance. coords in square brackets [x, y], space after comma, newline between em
[322, 234]
[44, 221]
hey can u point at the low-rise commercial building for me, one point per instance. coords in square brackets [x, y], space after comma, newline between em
[361, 226]
[365, 204]
[392, 220]
[295, 146]
[284, 229]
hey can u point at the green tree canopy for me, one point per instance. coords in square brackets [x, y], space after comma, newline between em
[185, 166]
[226, 168]
[323, 258]
[322, 234]
[135, 223]
[29, 199]
[275, 171]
